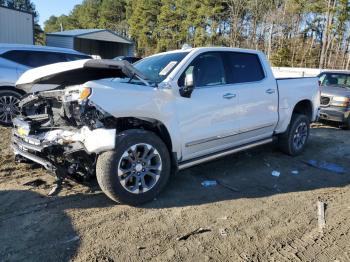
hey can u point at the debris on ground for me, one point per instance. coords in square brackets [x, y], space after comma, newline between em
[295, 172]
[262, 224]
[35, 183]
[199, 230]
[55, 190]
[321, 206]
[275, 173]
[223, 232]
[141, 248]
[209, 183]
[73, 239]
[326, 166]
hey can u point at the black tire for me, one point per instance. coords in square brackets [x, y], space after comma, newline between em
[286, 140]
[8, 100]
[346, 124]
[107, 168]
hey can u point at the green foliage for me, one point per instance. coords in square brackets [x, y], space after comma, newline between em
[113, 16]
[292, 32]
[281, 57]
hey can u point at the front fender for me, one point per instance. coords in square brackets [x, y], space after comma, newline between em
[144, 102]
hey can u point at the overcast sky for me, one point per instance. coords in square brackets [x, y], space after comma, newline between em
[47, 8]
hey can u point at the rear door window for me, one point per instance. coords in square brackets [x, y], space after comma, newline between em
[243, 68]
[15, 56]
[40, 58]
[36, 59]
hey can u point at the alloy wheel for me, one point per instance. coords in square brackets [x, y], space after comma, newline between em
[139, 168]
[8, 108]
[300, 136]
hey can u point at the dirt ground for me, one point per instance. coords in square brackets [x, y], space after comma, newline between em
[250, 216]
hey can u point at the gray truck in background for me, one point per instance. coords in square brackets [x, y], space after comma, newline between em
[335, 97]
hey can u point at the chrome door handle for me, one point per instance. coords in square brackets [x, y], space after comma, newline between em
[270, 91]
[229, 96]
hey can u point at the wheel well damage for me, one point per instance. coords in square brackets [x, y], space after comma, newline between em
[148, 124]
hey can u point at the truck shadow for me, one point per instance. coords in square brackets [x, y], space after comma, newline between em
[40, 230]
[37, 228]
[249, 174]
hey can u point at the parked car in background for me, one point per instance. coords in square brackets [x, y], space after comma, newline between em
[14, 61]
[133, 124]
[130, 59]
[335, 97]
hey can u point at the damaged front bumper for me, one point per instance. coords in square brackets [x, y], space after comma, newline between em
[65, 149]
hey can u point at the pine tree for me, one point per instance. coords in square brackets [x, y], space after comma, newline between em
[113, 16]
[143, 25]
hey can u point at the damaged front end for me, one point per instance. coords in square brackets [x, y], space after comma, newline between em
[62, 131]
[59, 127]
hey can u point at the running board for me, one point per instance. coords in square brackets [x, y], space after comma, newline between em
[200, 160]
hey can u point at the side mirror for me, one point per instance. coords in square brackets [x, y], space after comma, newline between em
[187, 90]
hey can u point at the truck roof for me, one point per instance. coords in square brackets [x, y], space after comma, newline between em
[9, 47]
[209, 49]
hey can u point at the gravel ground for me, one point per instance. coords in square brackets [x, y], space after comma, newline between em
[250, 216]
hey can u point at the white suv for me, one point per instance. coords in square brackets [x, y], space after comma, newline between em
[14, 61]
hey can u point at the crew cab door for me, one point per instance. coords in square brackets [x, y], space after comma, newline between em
[208, 118]
[258, 95]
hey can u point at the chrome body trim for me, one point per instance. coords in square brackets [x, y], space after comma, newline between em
[191, 163]
[210, 139]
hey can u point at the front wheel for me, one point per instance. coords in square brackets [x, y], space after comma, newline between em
[293, 141]
[137, 170]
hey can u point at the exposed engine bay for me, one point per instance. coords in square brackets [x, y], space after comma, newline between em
[59, 127]
[63, 131]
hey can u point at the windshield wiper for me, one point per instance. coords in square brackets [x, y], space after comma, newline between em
[139, 78]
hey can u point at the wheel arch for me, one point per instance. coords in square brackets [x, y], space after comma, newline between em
[304, 107]
[12, 88]
[149, 124]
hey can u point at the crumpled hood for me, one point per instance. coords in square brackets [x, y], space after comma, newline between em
[335, 91]
[74, 73]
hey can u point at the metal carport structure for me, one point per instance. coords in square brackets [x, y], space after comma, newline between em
[100, 42]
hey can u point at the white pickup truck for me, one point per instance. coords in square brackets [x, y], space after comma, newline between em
[133, 125]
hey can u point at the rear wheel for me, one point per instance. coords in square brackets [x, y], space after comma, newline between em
[293, 141]
[9, 101]
[346, 124]
[137, 170]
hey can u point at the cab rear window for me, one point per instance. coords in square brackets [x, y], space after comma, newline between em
[243, 68]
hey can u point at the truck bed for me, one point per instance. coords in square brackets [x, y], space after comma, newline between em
[293, 90]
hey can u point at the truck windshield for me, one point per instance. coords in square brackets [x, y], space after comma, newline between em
[335, 79]
[157, 68]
